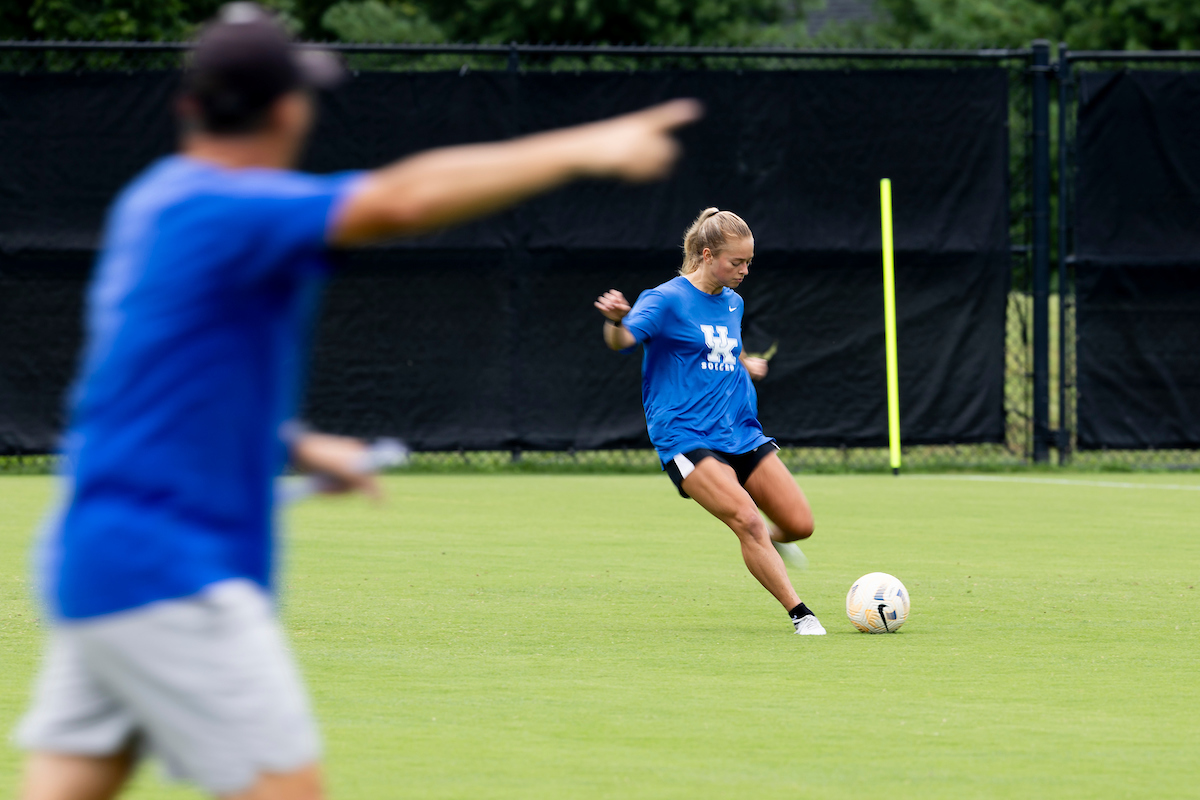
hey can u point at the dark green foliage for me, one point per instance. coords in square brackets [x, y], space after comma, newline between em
[120, 20]
[378, 21]
[592, 21]
[1083, 24]
[607, 21]
[15, 22]
[1132, 24]
[103, 19]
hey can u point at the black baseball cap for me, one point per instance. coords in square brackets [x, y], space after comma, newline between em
[244, 60]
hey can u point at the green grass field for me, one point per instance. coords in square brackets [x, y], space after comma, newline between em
[596, 636]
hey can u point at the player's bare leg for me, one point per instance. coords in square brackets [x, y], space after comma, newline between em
[302, 784]
[775, 491]
[715, 487]
[58, 776]
[789, 515]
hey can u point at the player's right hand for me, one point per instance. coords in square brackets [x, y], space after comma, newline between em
[338, 460]
[613, 305]
[640, 146]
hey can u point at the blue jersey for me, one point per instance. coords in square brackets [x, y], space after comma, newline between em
[695, 390]
[197, 335]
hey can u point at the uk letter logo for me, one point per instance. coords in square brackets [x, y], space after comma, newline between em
[720, 347]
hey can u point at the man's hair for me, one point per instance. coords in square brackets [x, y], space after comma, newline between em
[228, 119]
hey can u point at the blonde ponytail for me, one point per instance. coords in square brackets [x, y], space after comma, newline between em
[712, 229]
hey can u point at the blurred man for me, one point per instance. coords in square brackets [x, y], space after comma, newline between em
[157, 569]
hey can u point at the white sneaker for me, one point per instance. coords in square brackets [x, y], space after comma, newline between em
[791, 554]
[808, 626]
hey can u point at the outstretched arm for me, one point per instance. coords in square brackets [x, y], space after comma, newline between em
[614, 307]
[441, 187]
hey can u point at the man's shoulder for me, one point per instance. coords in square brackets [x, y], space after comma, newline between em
[155, 186]
[178, 178]
[277, 184]
[178, 191]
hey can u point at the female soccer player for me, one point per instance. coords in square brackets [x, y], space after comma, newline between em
[701, 407]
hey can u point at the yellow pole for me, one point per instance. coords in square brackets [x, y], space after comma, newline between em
[889, 324]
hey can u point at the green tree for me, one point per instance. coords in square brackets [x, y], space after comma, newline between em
[676, 22]
[107, 19]
[15, 22]
[308, 15]
[378, 21]
[1131, 24]
[1083, 24]
[962, 23]
[590, 21]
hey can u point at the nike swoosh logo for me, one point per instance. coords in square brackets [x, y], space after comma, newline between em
[733, 308]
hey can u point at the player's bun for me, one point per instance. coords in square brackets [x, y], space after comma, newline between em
[713, 229]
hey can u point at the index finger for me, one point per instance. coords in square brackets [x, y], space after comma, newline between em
[674, 113]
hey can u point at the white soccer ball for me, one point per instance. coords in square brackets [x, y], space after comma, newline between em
[877, 603]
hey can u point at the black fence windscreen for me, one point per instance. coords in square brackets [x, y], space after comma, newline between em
[1138, 260]
[41, 314]
[484, 337]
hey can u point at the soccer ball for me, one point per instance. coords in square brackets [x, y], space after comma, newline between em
[877, 603]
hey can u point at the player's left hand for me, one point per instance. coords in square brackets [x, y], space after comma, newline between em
[613, 305]
[757, 367]
[338, 460]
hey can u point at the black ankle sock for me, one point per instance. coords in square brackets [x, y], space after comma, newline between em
[801, 611]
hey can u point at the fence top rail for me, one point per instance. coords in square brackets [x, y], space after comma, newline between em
[1133, 55]
[635, 51]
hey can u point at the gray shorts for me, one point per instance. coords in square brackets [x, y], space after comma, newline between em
[206, 684]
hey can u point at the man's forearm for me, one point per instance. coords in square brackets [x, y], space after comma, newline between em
[441, 187]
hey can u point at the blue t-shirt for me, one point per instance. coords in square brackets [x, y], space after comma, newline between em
[198, 323]
[695, 390]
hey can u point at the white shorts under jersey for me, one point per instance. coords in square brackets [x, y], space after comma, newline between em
[206, 684]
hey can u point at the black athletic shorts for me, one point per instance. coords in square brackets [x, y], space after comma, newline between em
[743, 463]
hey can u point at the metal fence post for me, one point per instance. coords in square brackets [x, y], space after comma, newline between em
[1040, 75]
[514, 58]
[1062, 436]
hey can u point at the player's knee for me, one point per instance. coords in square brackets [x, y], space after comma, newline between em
[309, 787]
[304, 784]
[747, 524]
[304, 790]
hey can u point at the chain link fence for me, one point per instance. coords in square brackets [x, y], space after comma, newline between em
[1014, 452]
[1070, 67]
